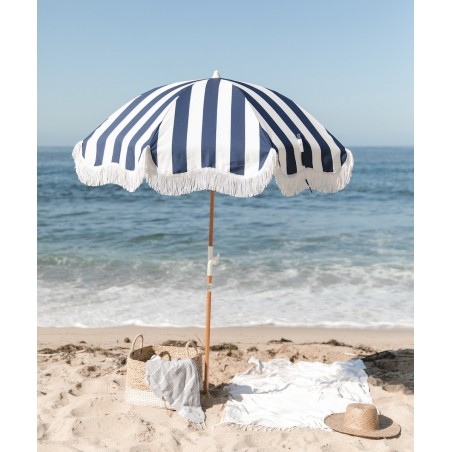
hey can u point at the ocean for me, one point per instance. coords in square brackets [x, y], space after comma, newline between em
[107, 257]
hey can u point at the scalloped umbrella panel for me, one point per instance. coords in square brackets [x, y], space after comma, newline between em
[213, 134]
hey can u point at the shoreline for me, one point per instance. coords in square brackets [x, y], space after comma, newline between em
[379, 338]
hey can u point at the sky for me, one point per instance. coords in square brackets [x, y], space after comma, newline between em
[349, 63]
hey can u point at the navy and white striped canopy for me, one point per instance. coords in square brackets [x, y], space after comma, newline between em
[213, 134]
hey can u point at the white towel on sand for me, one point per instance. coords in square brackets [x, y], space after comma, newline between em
[178, 383]
[282, 395]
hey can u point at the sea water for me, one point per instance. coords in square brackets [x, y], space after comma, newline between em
[107, 257]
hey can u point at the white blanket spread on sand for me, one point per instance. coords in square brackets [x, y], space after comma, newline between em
[178, 383]
[282, 395]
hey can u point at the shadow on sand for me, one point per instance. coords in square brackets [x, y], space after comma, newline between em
[391, 369]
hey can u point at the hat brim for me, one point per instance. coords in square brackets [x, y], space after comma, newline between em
[388, 428]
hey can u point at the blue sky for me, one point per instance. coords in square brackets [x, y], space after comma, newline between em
[349, 63]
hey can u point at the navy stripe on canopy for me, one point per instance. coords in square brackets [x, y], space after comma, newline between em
[179, 145]
[153, 145]
[341, 147]
[209, 123]
[265, 146]
[237, 154]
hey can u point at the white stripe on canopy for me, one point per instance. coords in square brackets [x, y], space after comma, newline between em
[223, 143]
[194, 132]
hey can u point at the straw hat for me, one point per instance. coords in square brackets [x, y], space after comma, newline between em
[362, 419]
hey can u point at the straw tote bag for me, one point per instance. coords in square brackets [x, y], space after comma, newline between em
[137, 390]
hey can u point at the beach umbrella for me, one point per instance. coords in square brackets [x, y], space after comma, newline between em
[213, 134]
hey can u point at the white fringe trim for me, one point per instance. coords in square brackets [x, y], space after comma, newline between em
[111, 174]
[293, 184]
[211, 178]
[257, 428]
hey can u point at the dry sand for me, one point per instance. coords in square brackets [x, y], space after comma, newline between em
[81, 382]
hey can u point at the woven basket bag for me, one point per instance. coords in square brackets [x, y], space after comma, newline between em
[137, 391]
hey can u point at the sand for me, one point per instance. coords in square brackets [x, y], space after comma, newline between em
[81, 383]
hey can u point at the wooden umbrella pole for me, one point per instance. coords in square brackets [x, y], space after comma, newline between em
[209, 293]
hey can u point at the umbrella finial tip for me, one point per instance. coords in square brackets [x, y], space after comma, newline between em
[216, 74]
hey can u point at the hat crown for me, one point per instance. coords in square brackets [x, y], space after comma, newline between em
[361, 416]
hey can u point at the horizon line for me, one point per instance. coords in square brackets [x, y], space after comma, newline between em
[348, 146]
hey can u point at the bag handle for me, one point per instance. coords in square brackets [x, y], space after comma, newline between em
[193, 345]
[165, 353]
[134, 341]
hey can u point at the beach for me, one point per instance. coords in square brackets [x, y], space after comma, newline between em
[81, 376]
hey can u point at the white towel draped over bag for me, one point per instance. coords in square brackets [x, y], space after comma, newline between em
[177, 381]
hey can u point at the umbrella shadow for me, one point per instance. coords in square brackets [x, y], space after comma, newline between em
[217, 396]
[393, 370]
